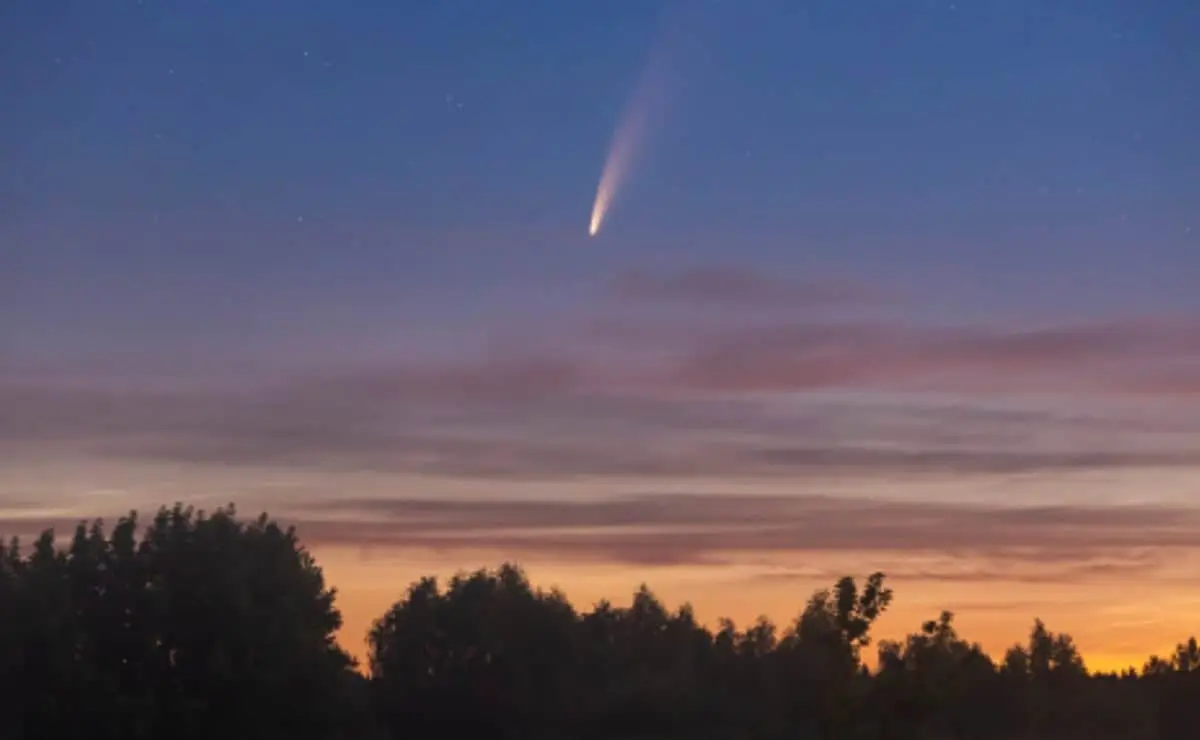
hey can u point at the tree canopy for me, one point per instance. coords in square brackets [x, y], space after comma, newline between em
[205, 626]
[198, 626]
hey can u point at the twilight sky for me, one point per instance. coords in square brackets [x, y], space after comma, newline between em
[892, 284]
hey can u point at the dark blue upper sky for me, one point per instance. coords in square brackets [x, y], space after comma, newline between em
[207, 174]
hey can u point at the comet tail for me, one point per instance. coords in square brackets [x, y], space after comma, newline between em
[626, 143]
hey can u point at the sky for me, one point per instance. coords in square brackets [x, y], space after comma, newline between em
[893, 285]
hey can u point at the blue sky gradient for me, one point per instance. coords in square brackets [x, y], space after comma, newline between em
[325, 259]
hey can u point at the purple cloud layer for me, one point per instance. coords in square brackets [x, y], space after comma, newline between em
[355, 424]
[787, 396]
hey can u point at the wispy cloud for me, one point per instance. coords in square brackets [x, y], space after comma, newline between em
[924, 541]
[353, 424]
[678, 528]
[1100, 357]
[704, 399]
[1121, 565]
[727, 285]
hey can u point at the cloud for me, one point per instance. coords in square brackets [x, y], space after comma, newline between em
[911, 540]
[493, 377]
[1101, 357]
[703, 398]
[639, 347]
[372, 421]
[731, 285]
[1180, 382]
[970, 461]
[668, 529]
[1122, 566]
[548, 416]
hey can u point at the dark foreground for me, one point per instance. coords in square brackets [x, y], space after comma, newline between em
[210, 627]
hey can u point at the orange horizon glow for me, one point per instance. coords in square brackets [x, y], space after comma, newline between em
[366, 589]
[1118, 616]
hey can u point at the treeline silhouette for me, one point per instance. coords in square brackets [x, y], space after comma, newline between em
[207, 626]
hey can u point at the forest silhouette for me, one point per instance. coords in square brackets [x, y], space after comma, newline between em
[208, 626]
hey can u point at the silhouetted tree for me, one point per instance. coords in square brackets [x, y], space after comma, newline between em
[1175, 684]
[820, 658]
[204, 627]
[489, 656]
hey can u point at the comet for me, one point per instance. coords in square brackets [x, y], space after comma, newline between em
[627, 142]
